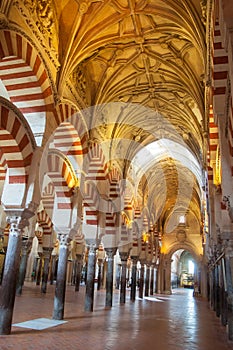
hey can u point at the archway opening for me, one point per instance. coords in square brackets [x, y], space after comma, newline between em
[184, 272]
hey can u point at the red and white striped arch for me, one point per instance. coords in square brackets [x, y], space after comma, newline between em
[47, 198]
[67, 113]
[213, 145]
[67, 140]
[24, 80]
[17, 145]
[63, 179]
[45, 222]
[220, 73]
[95, 184]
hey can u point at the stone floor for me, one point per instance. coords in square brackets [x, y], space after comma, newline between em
[162, 322]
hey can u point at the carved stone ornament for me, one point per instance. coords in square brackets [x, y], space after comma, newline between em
[64, 240]
[17, 223]
[181, 235]
[228, 201]
[3, 21]
[78, 80]
[40, 18]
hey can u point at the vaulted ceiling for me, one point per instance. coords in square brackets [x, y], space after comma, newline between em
[140, 64]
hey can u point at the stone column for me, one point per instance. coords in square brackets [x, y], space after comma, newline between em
[147, 284]
[34, 268]
[167, 275]
[124, 258]
[25, 250]
[53, 268]
[217, 291]
[59, 299]
[152, 280]
[38, 275]
[100, 268]
[74, 271]
[223, 295]
[47, 255]
[79, 258]
[109, 276]
[89, 297]
[228, 240]
[141, 281]
[134, 278]
[8, 288]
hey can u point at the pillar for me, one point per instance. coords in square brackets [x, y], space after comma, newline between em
[11, 268]
[229, 298]
[124, 258]
[47, 255]
[100, 268]
[223, 294]
[53, 268]
[34, 268]
[38, 275]
[141, 281]
[134, 278]
[59, 299]
[147, 282]
[89, 296]
[79, 258]
[152, 280]
[109, 276]
[217, 291]
[25, 250]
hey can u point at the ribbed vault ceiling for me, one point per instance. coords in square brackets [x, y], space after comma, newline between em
[149, 53]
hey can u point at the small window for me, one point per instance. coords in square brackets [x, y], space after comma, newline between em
[182, 219]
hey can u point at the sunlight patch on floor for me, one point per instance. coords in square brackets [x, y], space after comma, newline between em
[39, 323]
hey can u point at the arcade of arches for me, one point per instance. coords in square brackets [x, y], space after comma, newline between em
[116, 145]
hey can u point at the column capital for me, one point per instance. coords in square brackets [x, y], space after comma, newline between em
[124, 256]
[93, 243]
[17, 224]
[111, 252]
[26, 245]
[64, 240]
[134, 259]
[47, 252]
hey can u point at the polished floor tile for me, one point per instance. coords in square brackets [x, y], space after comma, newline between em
[160, 322]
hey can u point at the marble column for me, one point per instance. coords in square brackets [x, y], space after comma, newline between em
[141, 281]
[90, 281]
[124, 258]
[34, 268]
[53, 268]
[152, 280]
[134, 278]
[59, 299]
[100, 277]
[223, 294]
[25, 250]
[109, 276]
[11, 268]
[147, 282]
[38, 275]
[79, 258]
[47, 256]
